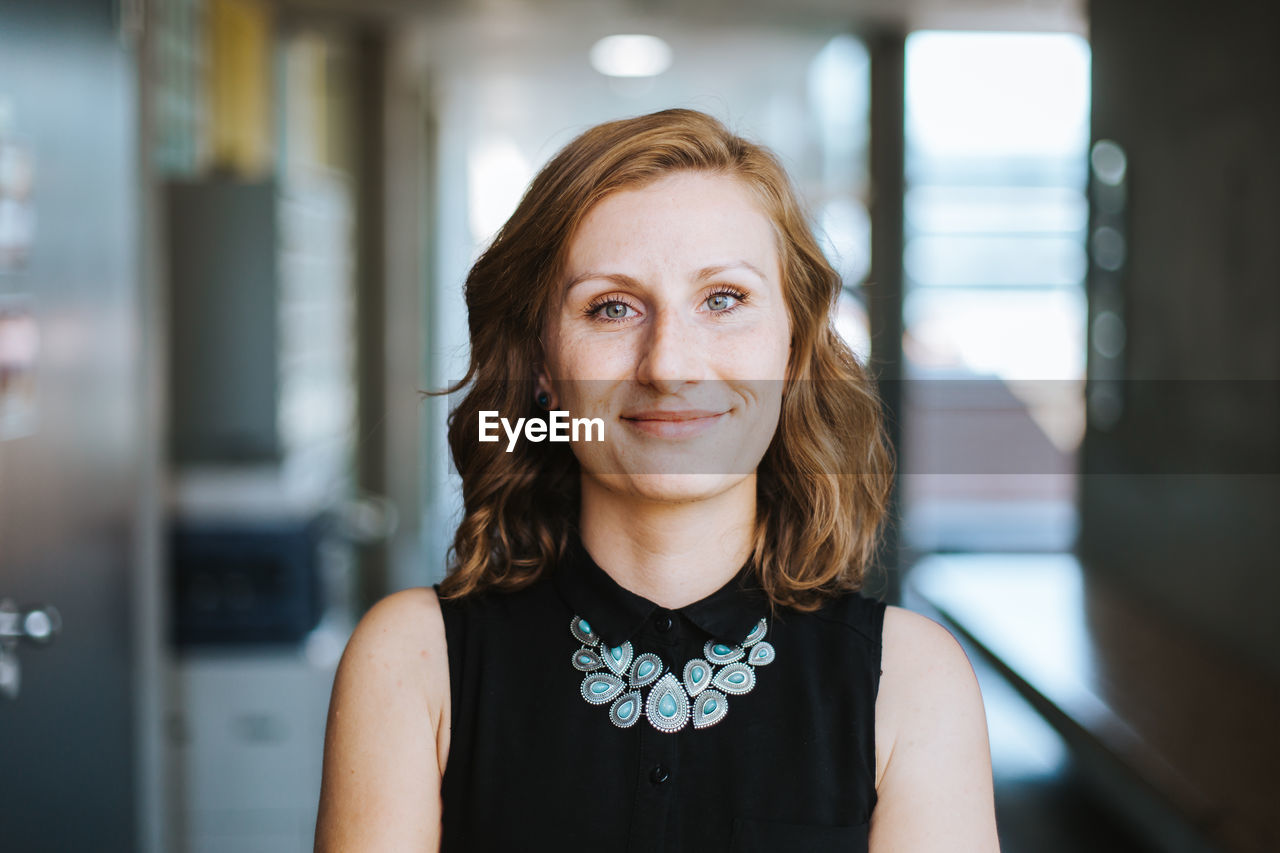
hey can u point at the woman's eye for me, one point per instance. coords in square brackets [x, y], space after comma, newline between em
[610, 310]
[721, 302]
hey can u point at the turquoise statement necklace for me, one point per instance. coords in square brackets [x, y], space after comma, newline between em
[616, 676]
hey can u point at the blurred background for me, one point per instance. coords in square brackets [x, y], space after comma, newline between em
[233, 235]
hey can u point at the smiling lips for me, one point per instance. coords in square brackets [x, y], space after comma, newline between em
[673, 424]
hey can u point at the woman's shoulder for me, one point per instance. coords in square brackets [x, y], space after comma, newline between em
[379, 757]
[401, 639]
[928, 689]
[416, 615]
[916, 637]
[931, 742]
[398, 653]
[922, 660]
[400, 618]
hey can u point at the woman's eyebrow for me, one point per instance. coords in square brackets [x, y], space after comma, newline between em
[702, 275]
[716, 269]
[615, 277]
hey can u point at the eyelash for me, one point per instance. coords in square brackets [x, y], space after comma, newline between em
[599, 302]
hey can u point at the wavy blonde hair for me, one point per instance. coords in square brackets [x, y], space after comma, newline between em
[823, 484]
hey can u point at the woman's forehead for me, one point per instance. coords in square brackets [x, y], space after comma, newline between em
[696, 219]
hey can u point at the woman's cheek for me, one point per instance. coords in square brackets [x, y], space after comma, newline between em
[607, 357]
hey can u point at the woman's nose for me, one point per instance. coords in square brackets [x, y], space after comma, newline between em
[670, 354]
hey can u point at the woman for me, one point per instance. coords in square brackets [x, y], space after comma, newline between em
[652, 638]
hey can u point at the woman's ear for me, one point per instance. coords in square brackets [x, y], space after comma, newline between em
[543, 395]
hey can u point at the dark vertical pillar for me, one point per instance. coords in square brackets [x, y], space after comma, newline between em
[371, 355]
[1181, 486]
[884, 286]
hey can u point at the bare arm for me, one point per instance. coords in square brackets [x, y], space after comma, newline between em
[934, 789]
[387, 732]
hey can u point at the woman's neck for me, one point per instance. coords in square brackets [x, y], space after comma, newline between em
[671, 553]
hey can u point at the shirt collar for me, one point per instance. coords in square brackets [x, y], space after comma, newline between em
[616, 613]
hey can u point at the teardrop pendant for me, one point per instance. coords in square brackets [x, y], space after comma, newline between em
[617, 658]
[645, 670]
[709, 708]
[600, 687]
[721, 653]
[585, 660]
[761, 654]
[626, 709]
[757, 633]
[697, 675]
[736, 678]
[582, 632]
[667, 707]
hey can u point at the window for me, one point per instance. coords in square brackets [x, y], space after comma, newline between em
[997, 132]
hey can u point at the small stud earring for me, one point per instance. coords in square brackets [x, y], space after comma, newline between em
[544, 399]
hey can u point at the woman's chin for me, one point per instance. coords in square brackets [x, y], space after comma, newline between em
[674, 488]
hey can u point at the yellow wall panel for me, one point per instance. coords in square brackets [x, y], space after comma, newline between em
[240, 85]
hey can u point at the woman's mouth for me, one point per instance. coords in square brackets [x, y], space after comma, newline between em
[673, 424]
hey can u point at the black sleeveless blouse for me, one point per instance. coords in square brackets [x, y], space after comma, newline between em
[532, 765]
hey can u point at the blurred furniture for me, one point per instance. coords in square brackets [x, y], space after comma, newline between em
[254, 664]
[1182, 737]
[245, 581]
[245, 551]
[262, 573]
[247, 733]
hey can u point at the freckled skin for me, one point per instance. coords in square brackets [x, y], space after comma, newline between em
[671, 335]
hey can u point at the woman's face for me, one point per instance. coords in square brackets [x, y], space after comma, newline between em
[670, 326]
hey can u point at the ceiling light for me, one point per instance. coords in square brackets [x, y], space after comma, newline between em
[631, 56]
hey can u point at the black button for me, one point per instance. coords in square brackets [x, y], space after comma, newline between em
[663, 623]
[659, 774]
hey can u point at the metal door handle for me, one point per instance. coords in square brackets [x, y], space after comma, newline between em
[33, 625]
